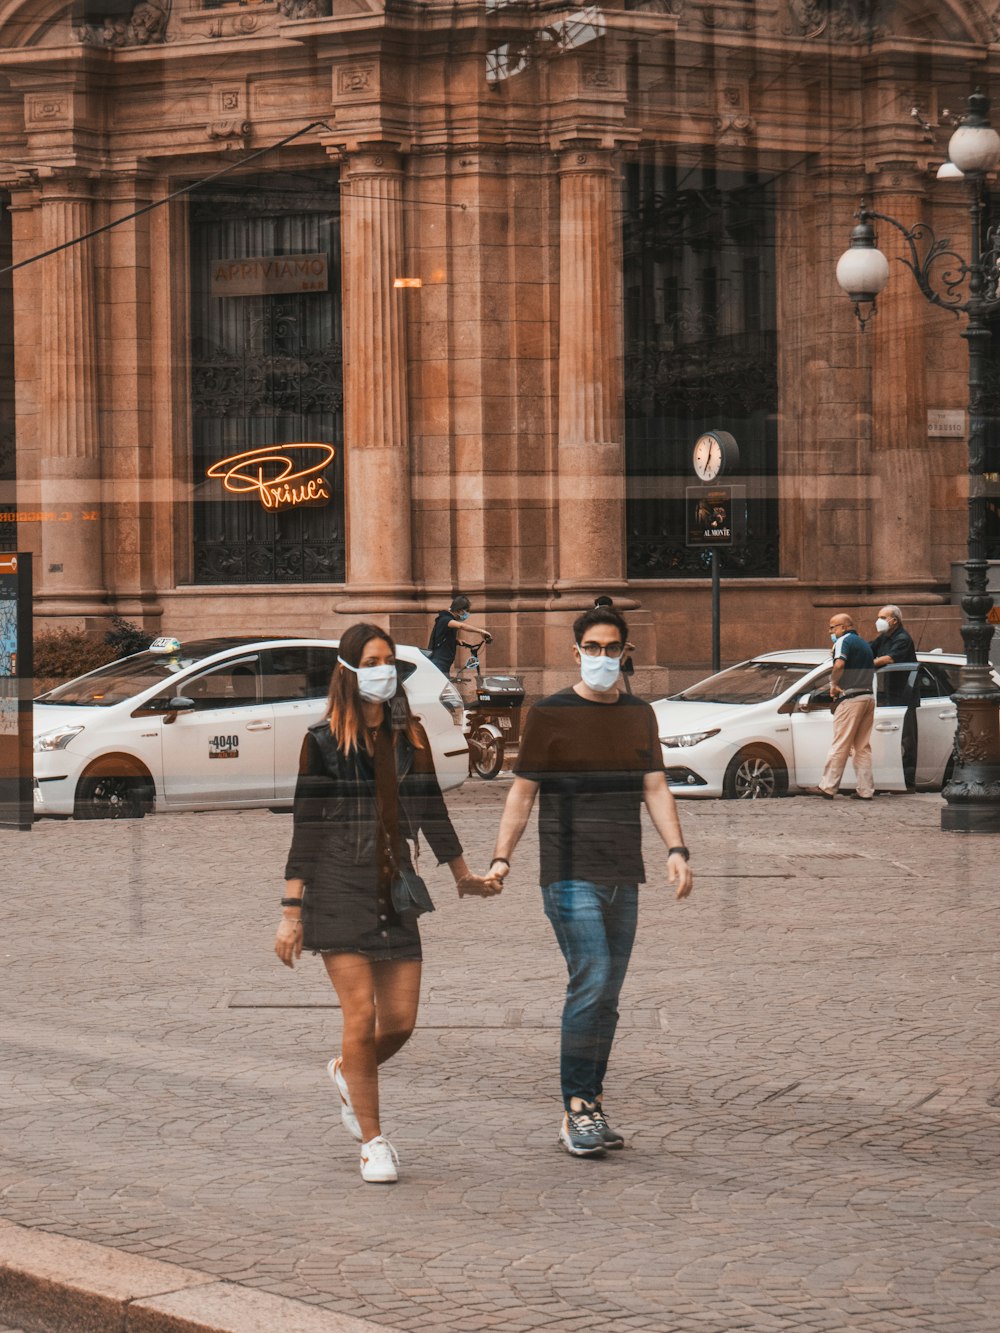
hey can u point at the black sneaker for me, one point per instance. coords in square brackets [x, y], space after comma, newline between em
[580, 1135]
[611, 1137]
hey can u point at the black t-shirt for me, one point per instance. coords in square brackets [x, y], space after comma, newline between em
[444, 641]
[589, 760]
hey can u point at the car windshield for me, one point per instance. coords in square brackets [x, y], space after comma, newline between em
[118, 681]
[748, 683]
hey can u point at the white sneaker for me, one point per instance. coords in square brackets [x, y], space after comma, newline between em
[346, 1109]
[379, 1161]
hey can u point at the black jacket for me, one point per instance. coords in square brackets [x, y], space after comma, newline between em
[335, 822]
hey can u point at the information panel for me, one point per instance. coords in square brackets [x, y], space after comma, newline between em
[16, 681]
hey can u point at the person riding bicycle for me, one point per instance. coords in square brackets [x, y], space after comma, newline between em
[444, 636]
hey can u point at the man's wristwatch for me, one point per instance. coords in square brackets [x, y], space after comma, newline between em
[681, 851]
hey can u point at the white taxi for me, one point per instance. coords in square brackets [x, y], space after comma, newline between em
[215, 724]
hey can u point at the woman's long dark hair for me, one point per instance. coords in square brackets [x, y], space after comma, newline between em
[344, 704]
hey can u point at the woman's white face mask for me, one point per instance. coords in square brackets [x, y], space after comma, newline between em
[376, 684]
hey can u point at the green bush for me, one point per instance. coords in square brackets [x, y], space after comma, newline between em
[61, 654]
[126, 638]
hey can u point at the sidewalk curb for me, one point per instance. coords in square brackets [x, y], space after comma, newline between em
[54, 1284]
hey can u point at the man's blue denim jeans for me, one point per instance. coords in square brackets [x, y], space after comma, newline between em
[595, 927]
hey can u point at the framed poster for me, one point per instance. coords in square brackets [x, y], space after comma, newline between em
[716, 515]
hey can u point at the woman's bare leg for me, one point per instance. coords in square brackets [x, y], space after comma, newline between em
[353, 980]
[378, 1002]
[397, 996]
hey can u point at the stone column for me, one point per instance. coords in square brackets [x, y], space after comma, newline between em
[900, 490]
[70, 572]
[591, 453]
[376, 410]
[126, 333]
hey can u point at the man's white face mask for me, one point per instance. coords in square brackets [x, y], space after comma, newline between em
[599, 673]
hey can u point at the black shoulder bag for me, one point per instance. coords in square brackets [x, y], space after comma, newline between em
[408, 889]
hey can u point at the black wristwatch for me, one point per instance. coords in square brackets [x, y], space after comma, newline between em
[682, 850]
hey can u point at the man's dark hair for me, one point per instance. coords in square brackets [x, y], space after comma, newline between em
[603, 600]
[460, 602]
[601, 615]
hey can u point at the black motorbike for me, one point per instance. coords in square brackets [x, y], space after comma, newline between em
[492, 712]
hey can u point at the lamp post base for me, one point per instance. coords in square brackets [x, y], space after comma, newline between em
[972, 799]
[980, 817]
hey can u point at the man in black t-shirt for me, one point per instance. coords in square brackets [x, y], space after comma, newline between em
[444, 633]
[593, 752]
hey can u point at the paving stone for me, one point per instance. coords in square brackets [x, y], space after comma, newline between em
[805, 1066]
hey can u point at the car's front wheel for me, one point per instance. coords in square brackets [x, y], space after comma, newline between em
[112, 792]
[755, 774]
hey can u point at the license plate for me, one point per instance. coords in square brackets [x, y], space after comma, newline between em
[504, 723]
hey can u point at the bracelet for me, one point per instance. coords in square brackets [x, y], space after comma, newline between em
[291, 902]
[682, 851]
[503, 861]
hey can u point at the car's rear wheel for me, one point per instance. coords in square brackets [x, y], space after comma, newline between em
[113, 791]
[755, 774]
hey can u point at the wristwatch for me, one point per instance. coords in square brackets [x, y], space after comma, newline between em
[683, 851]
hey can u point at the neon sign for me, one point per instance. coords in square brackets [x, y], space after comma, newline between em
[283, 476]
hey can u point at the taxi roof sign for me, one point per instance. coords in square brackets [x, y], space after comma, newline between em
[164, 645]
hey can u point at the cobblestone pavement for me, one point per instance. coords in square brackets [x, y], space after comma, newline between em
[807, 1069]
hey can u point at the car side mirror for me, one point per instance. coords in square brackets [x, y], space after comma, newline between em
[178, 704]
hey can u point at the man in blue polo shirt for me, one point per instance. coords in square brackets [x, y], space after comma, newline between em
[854, 710]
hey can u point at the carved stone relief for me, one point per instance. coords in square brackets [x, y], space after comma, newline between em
[305, 9]
[733, 122]
[45, 109]
[870, 20]
[229, 129]
[146, 26]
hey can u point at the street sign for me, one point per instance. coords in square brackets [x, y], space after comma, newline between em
[16, 680]
[715, 515]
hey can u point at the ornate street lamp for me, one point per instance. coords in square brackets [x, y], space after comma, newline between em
[965, 287]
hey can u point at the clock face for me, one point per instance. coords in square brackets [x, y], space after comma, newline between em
[708, 458]
[715, 452]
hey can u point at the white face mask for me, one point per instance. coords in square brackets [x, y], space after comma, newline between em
[599, 673]
[377, 684]
[881, 625]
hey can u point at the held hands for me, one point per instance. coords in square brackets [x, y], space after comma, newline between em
[478, 886]
[679, 873]
[288, 941]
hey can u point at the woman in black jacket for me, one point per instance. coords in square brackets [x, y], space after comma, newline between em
[366, 788]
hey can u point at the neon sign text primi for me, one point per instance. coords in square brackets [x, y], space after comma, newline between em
[281, 475]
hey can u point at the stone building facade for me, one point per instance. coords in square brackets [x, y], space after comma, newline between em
[530, 253]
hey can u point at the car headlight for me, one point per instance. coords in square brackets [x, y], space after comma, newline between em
[56, 740]
[689, 738]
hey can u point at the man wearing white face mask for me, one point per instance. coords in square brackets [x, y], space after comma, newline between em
[594, 753]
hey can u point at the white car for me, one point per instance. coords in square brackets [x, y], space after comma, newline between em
[210, 725]
[763, 728]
